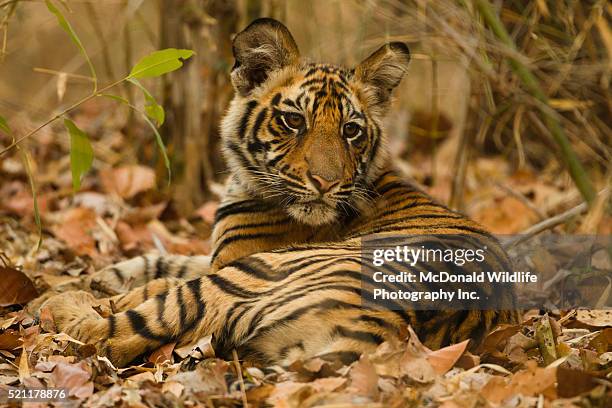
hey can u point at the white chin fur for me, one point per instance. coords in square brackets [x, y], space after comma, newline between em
[314, 214]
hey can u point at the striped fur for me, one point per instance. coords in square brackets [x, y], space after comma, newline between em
[285, 277]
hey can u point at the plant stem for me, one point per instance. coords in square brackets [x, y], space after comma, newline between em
[62, 113]
[568, 155]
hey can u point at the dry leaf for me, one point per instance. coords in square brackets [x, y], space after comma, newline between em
[24, 365]
[142, 377]
[15, 287]
[162, 354]
[73, 377]
[127, 181]
[200, 350]
[10, 340]
[46, 320]
[75, 229]
[364, 380]
[173, 387]
[445, 358]
[597, 318]
[207, 211]
[573, 382]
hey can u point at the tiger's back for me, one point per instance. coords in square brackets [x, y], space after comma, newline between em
[310, 178]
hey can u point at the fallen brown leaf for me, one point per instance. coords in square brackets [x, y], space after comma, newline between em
[15, 287]
[162, 354]
[75, 229]
[207, 211]
[173, 387]
[74, 377]
[571, 383]
[445, 358]
[597, 318]
[46, 320]
[10, 340]
[127, 181]
[364, 380]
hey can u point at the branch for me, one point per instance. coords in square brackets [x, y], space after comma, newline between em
[549, 223]
[59, 115]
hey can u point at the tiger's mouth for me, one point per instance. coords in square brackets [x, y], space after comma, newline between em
[315, 212]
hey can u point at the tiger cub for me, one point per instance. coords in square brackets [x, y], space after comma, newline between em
[310, 177]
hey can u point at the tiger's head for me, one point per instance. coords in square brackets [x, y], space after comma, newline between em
[307, 135]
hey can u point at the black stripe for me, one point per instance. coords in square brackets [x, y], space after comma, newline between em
[160, 300]
[139, 325]
[183, 271]
[274, 133]
[257, 145]
[276, 99]
[182, 306]
[289, 102]
[228, 287]
[146, 267]
[280, 221]
[246, 164]
[160, 268]
[365, 336]
[245, 265]
[242, 237]
[345, 357]
[284, 351]
[241, 207]
[244, 120]
[375, 320]
[194, 288]
[390, 186]
[274, 161]
[117, 273]
[112, 325]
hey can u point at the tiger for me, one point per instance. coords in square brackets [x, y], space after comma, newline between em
[310, 177]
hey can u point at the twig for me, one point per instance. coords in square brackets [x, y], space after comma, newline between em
[531, 83]
[521, 197]
[245, 402]
[461, 159]
[68, 74]
[59, 115]
[549, 223]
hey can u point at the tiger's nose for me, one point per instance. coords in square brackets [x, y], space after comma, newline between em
[321, 183]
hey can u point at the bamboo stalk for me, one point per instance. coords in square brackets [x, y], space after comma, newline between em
[568, 155]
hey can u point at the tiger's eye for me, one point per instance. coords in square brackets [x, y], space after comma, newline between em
[351, 129]
[294, 120]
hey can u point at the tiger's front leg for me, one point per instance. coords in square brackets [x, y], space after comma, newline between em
[178, 314]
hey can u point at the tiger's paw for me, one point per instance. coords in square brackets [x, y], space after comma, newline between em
[75, 314]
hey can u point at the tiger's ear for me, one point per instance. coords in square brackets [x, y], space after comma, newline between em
[266, 45]
[384, 69]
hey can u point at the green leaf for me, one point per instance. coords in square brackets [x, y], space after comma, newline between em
[158, 138]
[4, 125]
[162, 147]
[75, 38]
[25, 158]
[152, 108]
[155, 112]
[115, 97]
[81, 153]
[160, 62]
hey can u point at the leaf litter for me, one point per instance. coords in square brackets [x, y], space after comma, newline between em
[560, 359]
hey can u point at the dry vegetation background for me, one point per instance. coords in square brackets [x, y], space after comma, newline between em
[464, 126]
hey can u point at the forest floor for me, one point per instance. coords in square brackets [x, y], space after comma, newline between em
[563, 358]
